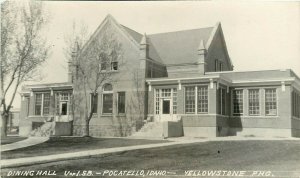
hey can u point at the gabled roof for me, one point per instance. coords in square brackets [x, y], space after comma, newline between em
[180, 46]
[135, 35]
[174, 47]
[170, 48]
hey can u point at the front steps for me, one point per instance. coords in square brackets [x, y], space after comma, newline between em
[46, 130]
[150, 129]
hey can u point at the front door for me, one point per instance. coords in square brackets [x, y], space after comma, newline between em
[166, 110]
[165, 104]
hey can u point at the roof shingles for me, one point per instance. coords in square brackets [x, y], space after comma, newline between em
[173, 48]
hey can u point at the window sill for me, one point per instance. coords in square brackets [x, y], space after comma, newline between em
[257, 116]
[108, 114]
[32, 116]
[121, 114]
[109, 71]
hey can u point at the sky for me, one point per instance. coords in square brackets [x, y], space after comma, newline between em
[259, 35]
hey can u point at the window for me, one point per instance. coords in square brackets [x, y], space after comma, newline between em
[157, 101]
[103, 65]
[28, 104]
[221, 66]
[296, 104]
[107, 103]
[42, 103]
[190, 100]
[202, 99]
[196, 99]
[38, 103]
[174, 100]
[271, 101]
[94, 103]
[216, 65]
[114, 65]
[62, 102]
[254, 102]
[121, 102]
[222, 101]
[237, 102]
[166, 93]
[46, 104]
[107, 99]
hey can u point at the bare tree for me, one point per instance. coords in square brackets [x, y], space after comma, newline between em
[93, 66]
[135, 106]
[23, 49]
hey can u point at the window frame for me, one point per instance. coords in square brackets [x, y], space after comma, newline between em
[112, 65]
[216, 65]
[221, 66]
[42, 103]
[222, 101]
[257, 101]
[195, 111]
[92, 102]
[59, 100]
[233, 102]
[276, 101]
[107, 92]
[118, 103]
[185, 100]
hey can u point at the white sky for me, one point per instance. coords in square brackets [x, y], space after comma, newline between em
[259, 35]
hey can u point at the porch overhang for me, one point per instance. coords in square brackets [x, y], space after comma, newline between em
[163, 81]
[28, 89]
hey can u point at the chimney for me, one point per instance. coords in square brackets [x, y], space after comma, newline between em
[71, 64]
[201, 57]
[144, 50]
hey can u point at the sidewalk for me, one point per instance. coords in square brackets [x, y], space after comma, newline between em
[24, 143]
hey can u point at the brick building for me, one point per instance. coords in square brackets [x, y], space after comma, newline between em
[172, 84]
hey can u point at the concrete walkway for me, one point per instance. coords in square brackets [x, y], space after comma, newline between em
[175, 141]
[24, 143]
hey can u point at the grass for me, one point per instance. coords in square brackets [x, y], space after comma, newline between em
[57, 145]
[11, 139]
[272, 156]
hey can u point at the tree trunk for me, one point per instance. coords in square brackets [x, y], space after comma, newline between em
[87, 128]
[4, 119]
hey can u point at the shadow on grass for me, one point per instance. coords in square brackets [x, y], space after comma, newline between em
[11, 139]
[58, 145]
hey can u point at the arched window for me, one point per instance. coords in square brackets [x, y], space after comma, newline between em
[107, 99]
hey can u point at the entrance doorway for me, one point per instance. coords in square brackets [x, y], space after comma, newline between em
[166, 104]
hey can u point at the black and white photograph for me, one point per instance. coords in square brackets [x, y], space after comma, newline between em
[150, 88]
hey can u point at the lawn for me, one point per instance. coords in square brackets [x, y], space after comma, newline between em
[11, 139]
[280, 157]
[57, 145]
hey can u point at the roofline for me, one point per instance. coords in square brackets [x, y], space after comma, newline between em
[178, 31]
[180, 79]
[217, 28]
[47, 85]
[212, 35]
[224, 72]
[229, 82]
[106, 19]
[286, 79]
